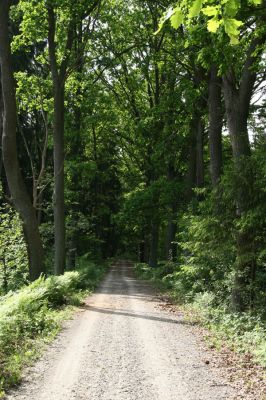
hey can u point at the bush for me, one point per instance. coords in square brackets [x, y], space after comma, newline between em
[13, 252]
[33, 312]
[90, 273]
[245, 333]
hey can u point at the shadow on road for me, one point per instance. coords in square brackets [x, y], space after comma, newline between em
[135, 315]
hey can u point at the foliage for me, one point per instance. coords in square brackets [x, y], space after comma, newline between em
[32, 316]
[243, 333]
[221, 14]
[90, 273]
[13, 253]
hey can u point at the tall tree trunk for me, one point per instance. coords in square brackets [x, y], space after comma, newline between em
[199, 152]
[142, 252]
[58, 77]
[59, 195]
[153, 259]
[237, 101]
[171, 251]
[215, 125]
[195, 173]
[170, 247]
[237, 125]
[190, 178]
[20, 197]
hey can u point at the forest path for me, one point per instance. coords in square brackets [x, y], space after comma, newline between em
[124, 346]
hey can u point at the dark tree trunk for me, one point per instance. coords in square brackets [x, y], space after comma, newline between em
[237, 101]
[215, 125]
[71, 254]
[195, 173]
[58, 78]
[199, 152]
[170, 247]
[19, 195]
[59, 197]
[237, 125]
[153, 259]
[142, 252]
[76, 151]
[171, 251]
[190, 178]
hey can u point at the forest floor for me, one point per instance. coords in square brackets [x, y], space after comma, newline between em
[126, 344]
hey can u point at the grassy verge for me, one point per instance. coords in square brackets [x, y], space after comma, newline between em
[243, 333]
[32, 317]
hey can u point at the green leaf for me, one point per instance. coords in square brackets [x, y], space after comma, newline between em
[177, 18]
[231, 8]
[231, 26]
[195, 9]
[211, 11]
[234, 40]
[213, 25]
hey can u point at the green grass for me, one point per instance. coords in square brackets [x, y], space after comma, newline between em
[32, 316]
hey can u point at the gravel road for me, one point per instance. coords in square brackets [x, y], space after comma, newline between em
[124, 346]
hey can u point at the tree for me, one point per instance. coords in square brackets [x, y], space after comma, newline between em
[19, 195]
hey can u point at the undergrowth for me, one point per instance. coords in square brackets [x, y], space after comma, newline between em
[244, 333]
[32, 316]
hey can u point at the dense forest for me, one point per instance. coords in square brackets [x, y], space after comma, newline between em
[135, 129]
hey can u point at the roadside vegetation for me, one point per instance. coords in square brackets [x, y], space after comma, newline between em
[243, 333]
[32, 316]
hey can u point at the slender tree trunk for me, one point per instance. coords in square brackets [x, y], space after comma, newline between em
[170, 247]
[20, 197]
[195, 173]
[215, 125]
[153, 259]
[170, 237]
[142, 252]
[199, 152]
[59, 196]
[58, 78]
[190, 178]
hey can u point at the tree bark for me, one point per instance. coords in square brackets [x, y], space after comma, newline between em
[199, 152]
[59, 177]
[170, 236]
[170, 247]
[19, 195]
[58, 78]
[215, 125]
[195, 173]
[237, 97]
[153, 259]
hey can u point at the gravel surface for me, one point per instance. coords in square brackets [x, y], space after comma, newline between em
[123, 346]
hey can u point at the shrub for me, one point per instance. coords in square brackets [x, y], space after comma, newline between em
[13, 253]
[29, 313]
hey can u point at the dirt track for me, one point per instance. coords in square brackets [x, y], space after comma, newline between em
[124, 346]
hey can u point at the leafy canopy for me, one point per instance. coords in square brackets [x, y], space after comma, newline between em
[220, 14]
